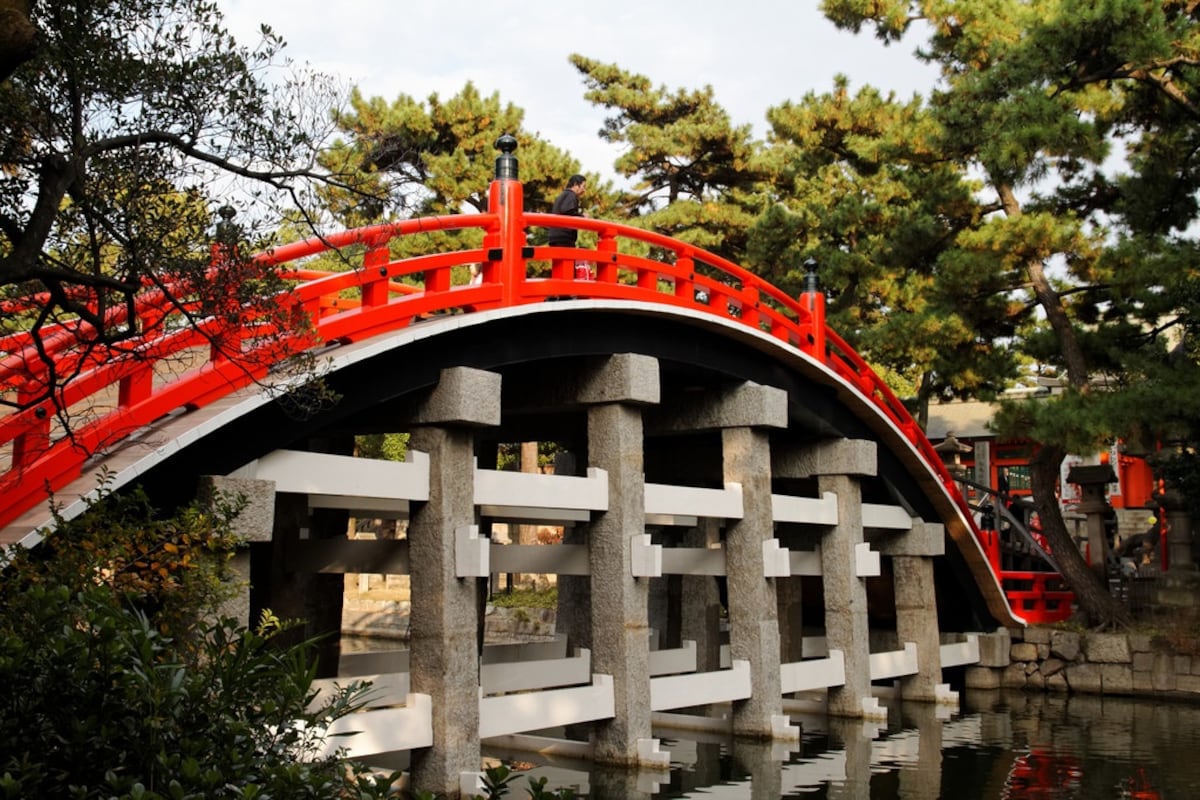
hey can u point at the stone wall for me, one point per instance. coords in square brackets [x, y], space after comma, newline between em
[1048, 659]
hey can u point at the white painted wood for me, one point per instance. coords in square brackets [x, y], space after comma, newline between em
[328, 475]
[530, 711]
[895, 663]
[532, 497]
[887, 517]
[383, 730]
[526, 651]
[387, 689]
[381, 507]
[699, 688]
[471, 553]
[521, 676]
[816, 673]
[691, 501]
[693, 561]
[775, 560]
[805, 562]
[675, 661]
[540, 559]
[353, 666]
[809, 510]
[866, 561]
[645, 559]
[956, 654]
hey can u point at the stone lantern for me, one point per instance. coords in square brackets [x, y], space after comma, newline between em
[1093, 480]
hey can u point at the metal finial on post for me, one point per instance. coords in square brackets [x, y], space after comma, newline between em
[227, 233]
[506, 162]
[811, 284]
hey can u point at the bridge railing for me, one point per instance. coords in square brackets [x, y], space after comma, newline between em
[116, 391]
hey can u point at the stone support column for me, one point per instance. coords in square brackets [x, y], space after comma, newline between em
[444, 649]
[614, 393]
[620, 629]
[742, 413]
[700, 611]
[753, 624]
[916, 605]
[837, 467]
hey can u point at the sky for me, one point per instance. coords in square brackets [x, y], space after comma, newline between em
[754, 53]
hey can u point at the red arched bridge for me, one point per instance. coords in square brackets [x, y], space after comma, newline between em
[709, 427]
[113, 397]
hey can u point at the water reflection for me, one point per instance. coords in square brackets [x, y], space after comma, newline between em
[999, 745]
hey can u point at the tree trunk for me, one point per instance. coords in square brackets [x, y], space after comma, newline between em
[1096, 604]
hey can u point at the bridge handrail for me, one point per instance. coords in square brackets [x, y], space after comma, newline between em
[372, 298]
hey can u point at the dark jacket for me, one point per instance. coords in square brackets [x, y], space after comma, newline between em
[566, 203]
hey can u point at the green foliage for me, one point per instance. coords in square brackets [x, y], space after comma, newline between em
[414, 158]
[116, 683]
[698, 177]
[527, 598]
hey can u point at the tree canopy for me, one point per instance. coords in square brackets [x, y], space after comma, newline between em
[121, 134]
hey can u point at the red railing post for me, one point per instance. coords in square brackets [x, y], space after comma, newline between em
[506, 199]
[375, 282]
[813, 299]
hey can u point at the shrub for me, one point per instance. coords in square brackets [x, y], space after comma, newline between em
[115, 682]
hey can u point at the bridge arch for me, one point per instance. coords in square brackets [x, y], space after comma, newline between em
[694, 433]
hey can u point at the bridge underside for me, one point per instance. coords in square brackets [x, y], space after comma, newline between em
[533, 353]
[684, 436]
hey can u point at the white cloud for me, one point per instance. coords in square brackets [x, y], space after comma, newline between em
[754, 53]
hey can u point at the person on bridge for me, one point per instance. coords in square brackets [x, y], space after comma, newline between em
[567, 203]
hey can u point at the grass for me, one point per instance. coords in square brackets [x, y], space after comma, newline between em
[526, 598]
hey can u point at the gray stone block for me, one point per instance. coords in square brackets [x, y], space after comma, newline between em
[623, 378]
[463, 396]
[1024, 651]
[1084, 678]
[256, 521]
[1141, 643]
[1057, 682]
[1037, 635]
[981, 678]
[836, 457]
[1013, 677]
[1188, 683]
[1116, 679]
[995, 649]
[1065, 645]
[1107, 648]
[1053, 666]
[1162, 674]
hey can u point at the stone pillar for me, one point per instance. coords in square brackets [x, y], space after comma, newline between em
[741, 412]
[753, 624]
[313, 599]
[789, 594]
[614, 393]
[701, 603]
[916, 605]
[254, 523]
[917, 622]
[620, 629]
[837, 467]
[444, 649]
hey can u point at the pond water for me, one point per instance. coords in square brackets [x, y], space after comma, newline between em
[996, 745]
